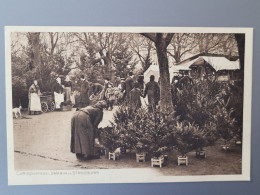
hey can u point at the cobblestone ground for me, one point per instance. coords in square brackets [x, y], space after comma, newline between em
[42, 142]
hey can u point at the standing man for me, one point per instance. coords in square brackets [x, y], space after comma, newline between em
[140, 81]
[84, 93]
[184, 81]
[102, 95]
[134, 97]
[129, 85]
[153, 91]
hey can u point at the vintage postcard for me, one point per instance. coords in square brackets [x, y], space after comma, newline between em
[128, 104]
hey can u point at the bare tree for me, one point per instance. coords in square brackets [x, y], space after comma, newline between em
[181, 44]
[101, 48]
[229, 45]
[208, 42]
[161, 41]
[143, 48]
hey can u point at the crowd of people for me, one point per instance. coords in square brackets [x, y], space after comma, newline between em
[129, 91]
[91, 99]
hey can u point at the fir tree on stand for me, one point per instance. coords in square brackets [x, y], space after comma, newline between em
[157, 133]
[109, 138]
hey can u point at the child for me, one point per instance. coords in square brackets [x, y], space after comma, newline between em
[110, 97]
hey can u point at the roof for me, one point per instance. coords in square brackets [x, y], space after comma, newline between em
[218, 63]
[154, 70]
[222, 63]
[232, 58]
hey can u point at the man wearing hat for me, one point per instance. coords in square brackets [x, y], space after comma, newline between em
[84, 93]
[152, 89]
[129, 85]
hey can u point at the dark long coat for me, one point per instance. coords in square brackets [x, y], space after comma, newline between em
[129, 85]
[57, 88]
[134, 98]
[152, 89]
[83, 99]
[84, 124]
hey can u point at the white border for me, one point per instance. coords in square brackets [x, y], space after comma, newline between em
[124, 175]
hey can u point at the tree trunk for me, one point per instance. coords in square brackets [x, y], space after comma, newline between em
[35, 42]
[240, 38]
[166, 105]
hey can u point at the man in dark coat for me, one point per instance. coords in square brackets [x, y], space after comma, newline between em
[152, 89]
[95, 88]
[141, 83]
[184, 81]
[129, 85]
[84, 93]
[134, 97]
[57, 87]
[84, 125]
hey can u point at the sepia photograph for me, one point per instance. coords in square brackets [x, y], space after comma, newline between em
[128, 104]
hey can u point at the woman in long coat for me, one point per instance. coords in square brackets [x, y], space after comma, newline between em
[84, 125]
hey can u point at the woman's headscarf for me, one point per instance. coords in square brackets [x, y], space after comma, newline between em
[58, 80]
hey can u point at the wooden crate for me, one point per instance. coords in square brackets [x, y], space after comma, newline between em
[157, 161]
[201, 154]
[225, 147]
[140, 157]
[183, 160]
[113, 155]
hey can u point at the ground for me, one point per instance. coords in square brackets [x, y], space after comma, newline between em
[42, 142]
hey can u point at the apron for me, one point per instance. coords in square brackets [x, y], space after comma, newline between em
[35, 103]
[59, 98]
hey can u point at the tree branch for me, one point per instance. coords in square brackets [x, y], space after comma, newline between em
[151, 36]
[168, 38]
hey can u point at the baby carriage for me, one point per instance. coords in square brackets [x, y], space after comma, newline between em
[47, 102]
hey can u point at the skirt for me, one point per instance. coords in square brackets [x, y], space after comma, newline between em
[35, 102]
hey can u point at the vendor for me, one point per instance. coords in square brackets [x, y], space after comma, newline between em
[58, 93]
[34, 106]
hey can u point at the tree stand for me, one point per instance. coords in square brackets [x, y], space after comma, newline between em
[201, 154]
[140, 157]
[157, 161]
[225, 147]
[183, 160]
[113, 155]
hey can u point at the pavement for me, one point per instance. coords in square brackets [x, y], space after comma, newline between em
[42, 142]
